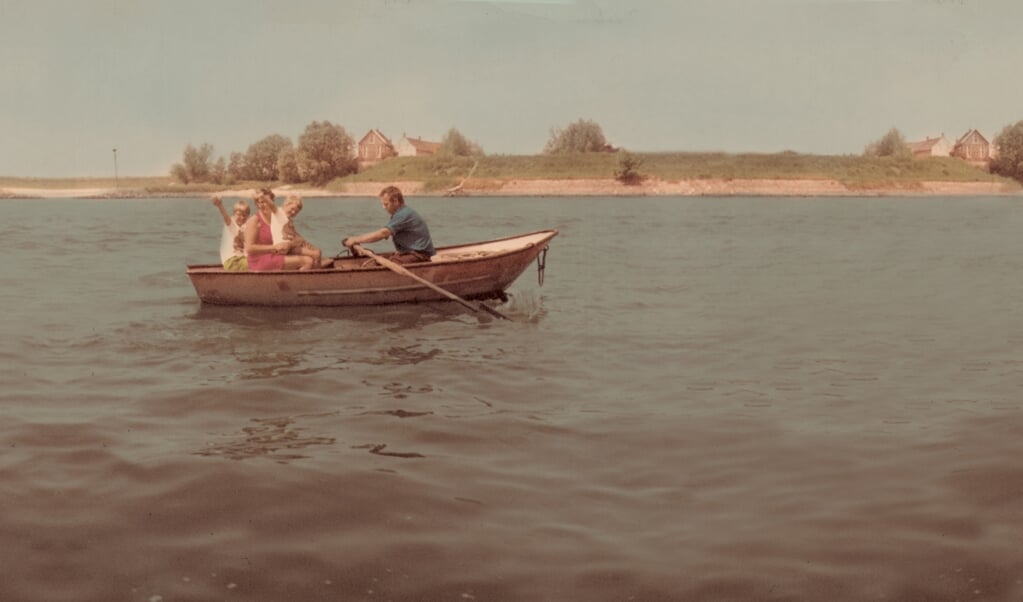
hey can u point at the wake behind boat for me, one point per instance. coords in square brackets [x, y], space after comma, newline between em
[479, 270]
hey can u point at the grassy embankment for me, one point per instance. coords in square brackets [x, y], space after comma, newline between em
[855, 172]
[440, 173]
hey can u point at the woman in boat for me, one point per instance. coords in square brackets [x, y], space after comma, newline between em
[232, 242]
[260, 250]
[412, 241]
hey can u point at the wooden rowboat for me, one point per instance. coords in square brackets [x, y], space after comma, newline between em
[480, 270]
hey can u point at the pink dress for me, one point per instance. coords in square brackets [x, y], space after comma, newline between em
[265, 261]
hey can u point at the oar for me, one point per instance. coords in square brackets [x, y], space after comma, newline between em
[394, 267]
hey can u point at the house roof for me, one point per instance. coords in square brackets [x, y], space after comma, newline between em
[962, 139]
[924, 145]
[375, 133]
[423, 146]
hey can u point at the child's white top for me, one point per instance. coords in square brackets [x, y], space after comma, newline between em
[227, 249]
[278, 220]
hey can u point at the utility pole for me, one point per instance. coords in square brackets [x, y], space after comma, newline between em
[115, 169]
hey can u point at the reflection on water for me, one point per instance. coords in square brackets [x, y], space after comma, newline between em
[408, 355]
[400, 413]
[275, 438]
[378, 449]
[269, 364]
[395, 317]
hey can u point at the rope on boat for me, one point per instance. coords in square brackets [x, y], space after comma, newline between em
[541, 265]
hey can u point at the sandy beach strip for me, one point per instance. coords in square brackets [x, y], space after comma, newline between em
[573, 187]
[728, 187]
[56, 193]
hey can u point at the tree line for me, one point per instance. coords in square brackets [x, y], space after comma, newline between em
[326, 151]
[323, 152]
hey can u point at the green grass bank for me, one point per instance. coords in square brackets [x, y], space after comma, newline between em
[438, 173]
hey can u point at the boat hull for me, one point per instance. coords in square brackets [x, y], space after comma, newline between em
[472, 271]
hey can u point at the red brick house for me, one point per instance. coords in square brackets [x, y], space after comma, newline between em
[972, 147]
[374, 147]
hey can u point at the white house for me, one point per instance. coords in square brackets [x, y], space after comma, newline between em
[931, 147]
[415, 147]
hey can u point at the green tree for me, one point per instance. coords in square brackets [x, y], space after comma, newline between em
[218, 173]
[325, 152]
[195, 164]
[891, 144]
[454, 143]
[1008, 160]
[287, 166]
[628, 164]
[236, 167]
[582, 136]
[179, 173]
[261, 158]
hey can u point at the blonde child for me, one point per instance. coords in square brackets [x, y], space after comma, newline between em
[298, 245]
[232, 242]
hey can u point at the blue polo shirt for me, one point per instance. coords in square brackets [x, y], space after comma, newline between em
[409, 232]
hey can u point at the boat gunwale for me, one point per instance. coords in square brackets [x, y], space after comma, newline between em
[217, 269]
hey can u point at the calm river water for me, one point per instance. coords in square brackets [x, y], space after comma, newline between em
[708, 399]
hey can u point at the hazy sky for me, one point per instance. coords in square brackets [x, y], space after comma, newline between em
[78, 78]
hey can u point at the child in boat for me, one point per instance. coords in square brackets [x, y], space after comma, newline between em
[298, 245]
[232, 242]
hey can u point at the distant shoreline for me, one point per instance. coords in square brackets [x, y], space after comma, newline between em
[570, 188]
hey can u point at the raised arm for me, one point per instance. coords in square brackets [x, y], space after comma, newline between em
[219, 204]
